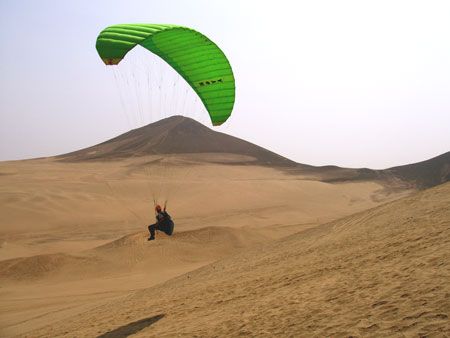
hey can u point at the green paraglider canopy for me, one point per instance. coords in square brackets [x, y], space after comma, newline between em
[195, 57]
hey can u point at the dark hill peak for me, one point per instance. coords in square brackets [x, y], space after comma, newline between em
[176, 135]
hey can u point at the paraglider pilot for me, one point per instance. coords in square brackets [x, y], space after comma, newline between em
[163, 223]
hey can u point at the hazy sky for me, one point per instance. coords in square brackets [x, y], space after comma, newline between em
[351, 83]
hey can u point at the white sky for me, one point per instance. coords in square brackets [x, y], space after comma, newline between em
[350, 83]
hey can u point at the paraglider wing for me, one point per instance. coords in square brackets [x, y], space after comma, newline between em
[195, 57]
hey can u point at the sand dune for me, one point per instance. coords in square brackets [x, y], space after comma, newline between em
[75, 260]
[39, 266]
[380, 272]
[75, 233]
[50, 207]
[37, 286]
[132, 252]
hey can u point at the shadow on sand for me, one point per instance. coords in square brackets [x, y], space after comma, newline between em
[131, 328]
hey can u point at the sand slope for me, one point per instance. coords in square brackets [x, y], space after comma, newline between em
[131, 252]
[381, 272]
[49, 207]
[73, 235]
[36, 288]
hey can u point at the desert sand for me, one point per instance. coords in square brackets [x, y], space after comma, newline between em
[359, 258]
[75, 233]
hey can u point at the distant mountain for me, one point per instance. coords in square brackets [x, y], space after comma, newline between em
[176, 135]
[421, 175]
[182, 135]
[424, 174]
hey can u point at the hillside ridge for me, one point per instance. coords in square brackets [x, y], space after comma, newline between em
[179, 135]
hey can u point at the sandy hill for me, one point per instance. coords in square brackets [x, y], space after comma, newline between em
[73, 234]
[132, 253]
[383, 272]
[177, 135]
